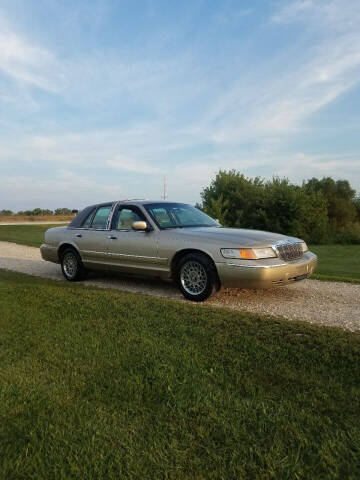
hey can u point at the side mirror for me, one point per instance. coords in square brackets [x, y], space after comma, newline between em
[142, 226]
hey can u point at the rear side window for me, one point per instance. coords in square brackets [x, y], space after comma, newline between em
[101, 218]
[87, 220]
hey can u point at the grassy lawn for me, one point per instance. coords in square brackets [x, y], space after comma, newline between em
[101, 384]
[338, 262]
[32, 235]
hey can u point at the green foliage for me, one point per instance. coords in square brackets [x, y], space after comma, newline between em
[40, 211]
[99, 384]
[340, 200]
[357, 208]
[274, 205]
[63, 211]
[36, 212]
[319, 211]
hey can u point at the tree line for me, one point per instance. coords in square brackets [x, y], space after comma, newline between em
[39, 212]
[319, 210]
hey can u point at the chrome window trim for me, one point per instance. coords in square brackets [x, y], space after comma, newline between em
[90, 229]
[110, 218]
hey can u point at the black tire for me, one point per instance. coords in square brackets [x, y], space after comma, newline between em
[196, 276]
[72, 266]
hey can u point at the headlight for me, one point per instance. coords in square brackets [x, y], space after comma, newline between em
[304, 247]
[248, 253]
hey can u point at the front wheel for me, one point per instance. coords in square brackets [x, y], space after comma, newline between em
[196, 277]
[72, 266]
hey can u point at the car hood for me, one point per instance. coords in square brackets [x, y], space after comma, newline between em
[233, 236]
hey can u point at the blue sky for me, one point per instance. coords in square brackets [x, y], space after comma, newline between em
[100, 99]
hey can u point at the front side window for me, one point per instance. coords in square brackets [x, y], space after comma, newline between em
[101, 218]
[125, 217]
[179, 215]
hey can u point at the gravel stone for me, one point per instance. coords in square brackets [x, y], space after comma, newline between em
[322, 303]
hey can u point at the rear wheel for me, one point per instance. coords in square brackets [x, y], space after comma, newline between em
[196, 277]
[72, 266]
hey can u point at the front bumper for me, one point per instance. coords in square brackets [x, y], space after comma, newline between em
[49, 253]
[257, 274]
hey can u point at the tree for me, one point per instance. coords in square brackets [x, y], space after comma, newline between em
[339, 200]
[357, 208]
[62, 211]
[275, 205]
[234, 199]
[6, 212]
[37, 211]
[292, 211]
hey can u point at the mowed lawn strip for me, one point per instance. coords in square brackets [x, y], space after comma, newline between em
[31, 235]
[100, 384]
[338, 262]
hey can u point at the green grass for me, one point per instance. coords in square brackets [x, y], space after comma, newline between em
[101, 384]
[32, 235]
[338, 262]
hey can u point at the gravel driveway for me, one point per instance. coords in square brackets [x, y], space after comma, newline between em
[325, 303]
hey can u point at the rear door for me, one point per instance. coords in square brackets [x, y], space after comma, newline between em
[92, 238]
[129, 249]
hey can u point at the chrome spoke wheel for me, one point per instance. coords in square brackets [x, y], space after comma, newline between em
[70, 265]
[193, 278]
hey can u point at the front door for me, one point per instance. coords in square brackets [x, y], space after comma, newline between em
[132, 250]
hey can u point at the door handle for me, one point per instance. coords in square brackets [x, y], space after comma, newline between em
[78, 235]
[112, 237]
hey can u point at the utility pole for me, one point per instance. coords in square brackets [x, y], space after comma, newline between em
[165, 194]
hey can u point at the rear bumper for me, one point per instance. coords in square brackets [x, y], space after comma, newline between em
[250, 275]
[49, 253]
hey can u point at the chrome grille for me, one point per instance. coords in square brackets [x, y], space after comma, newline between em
[288, 251]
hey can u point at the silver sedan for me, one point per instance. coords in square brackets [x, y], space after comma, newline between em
[175, 241]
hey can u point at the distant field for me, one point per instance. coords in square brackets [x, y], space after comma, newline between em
[26, 218]
[32, 235]
[336, 262]
[98, 384]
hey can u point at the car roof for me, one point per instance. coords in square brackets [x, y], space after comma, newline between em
[136, 201]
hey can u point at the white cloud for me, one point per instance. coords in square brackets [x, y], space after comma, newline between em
[303, 79]
[328, 14]
[133, 165]
[26, 63]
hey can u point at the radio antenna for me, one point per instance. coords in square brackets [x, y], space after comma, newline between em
[165, 194]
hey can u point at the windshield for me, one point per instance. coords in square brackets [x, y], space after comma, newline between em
[179, 215]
